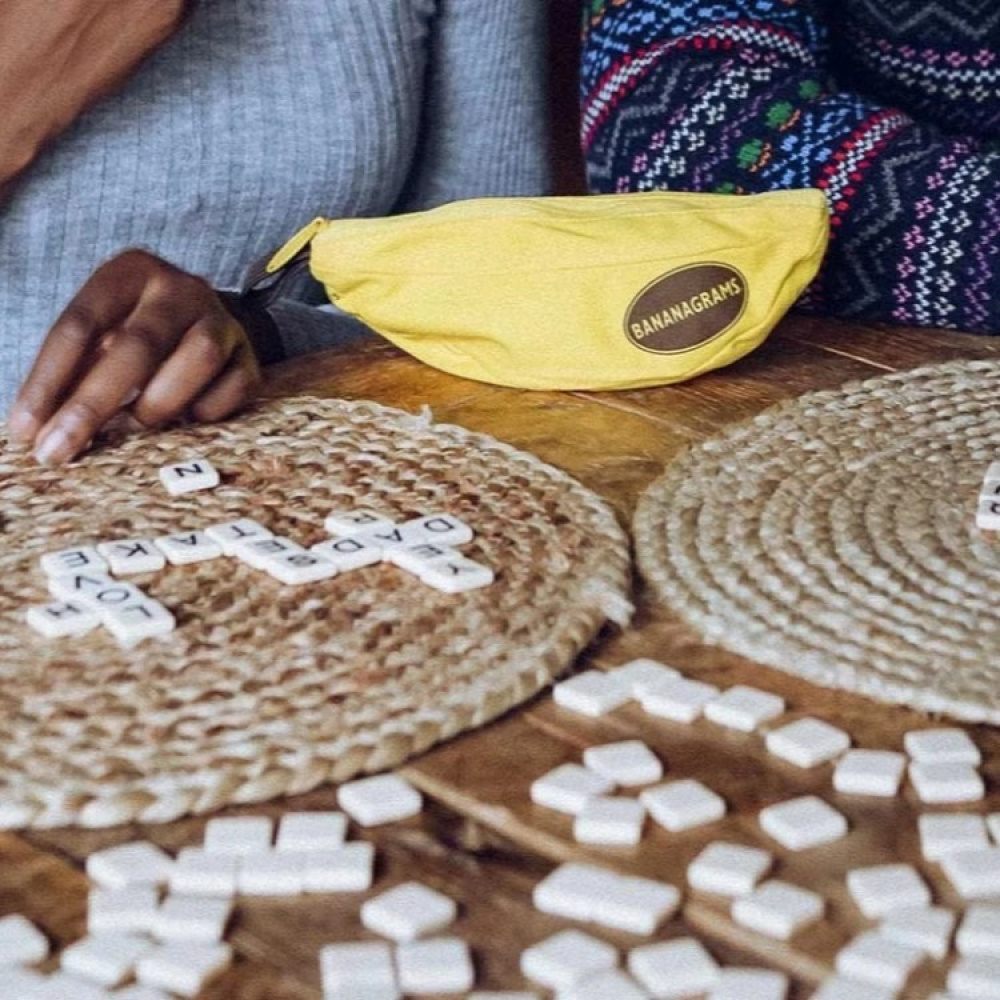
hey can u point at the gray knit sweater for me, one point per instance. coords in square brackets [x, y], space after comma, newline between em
[258, 116]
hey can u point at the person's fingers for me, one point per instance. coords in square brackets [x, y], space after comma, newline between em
[104, 301]
[232, 390]
[202, 355]
[99, 396]
[127, 360]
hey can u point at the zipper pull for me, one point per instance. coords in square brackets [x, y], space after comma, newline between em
[295, 251]
[295, 245]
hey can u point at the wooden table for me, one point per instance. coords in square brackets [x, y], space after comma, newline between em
[480, 839]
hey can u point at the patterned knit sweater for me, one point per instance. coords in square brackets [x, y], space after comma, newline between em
[891, 107]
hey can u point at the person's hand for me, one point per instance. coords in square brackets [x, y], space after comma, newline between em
[141, 334]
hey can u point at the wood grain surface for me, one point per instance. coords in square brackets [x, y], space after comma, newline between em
[480, 838]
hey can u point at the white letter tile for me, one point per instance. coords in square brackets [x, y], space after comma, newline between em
[183, 967]
[139, 619]
[880, 889]
[229, 535]
[677, 968]
[61, 618]
[589, 893]
[869, 772]
[352, 522]
[294, 568]
[940, 746]
[112, 598]
[565, 957]
[108, 959]
[928, 929]
[312, 831]
[635, 904]
[728, 869]
[679, 700]
[63, 985]
[80, 587]
[681, 805]
[442, 529]
[503, 995]
[256, 552]
[979, 932]
[974, 874]
[946, 833]
[30, 985]
[275, 873]
[85, 559]
[136, 863]
[133, 555]
[454, 576]
[603, 986]
[610, 821]
[591, 693]
[414, 558]
[872, 958]
[239, 835]
[937, 783]
[750, 984]
[975, 977]
[842, 988]
[140, 993]
[193, 918]
[744, 708]
[21, 942]
[197, 872]
[348, 869]
[639, 674]
[349, 969]
[393, 535]
[568, 787]
[186, 477]
[439, 965]
[573, 890]
[187, 547]
[408, 911]
[627, 763]
[802, 822]
[349, 553]
[807, 742]
[988, 514]
[778, 909]
[385, 798]
[131, 910]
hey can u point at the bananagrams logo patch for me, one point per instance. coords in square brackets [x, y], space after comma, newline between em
[686, 307]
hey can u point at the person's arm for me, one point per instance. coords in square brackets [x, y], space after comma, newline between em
[140, 335]
[483, 129]
[57, 59]
[747, 101]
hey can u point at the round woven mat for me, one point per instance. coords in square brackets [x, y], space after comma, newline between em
[267, 689]
[834, 537]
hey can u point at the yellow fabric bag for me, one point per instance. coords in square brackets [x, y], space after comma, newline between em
[591, 292]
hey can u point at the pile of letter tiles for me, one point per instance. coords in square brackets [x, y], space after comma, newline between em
[88, 593]
[617, 789]
[157, 924]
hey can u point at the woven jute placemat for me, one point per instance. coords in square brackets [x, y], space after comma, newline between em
[834, 537]
[264, 689]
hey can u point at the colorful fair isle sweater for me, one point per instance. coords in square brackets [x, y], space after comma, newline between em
[891, 107]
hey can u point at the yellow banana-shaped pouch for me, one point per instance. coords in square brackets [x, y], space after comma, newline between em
[591, 292]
